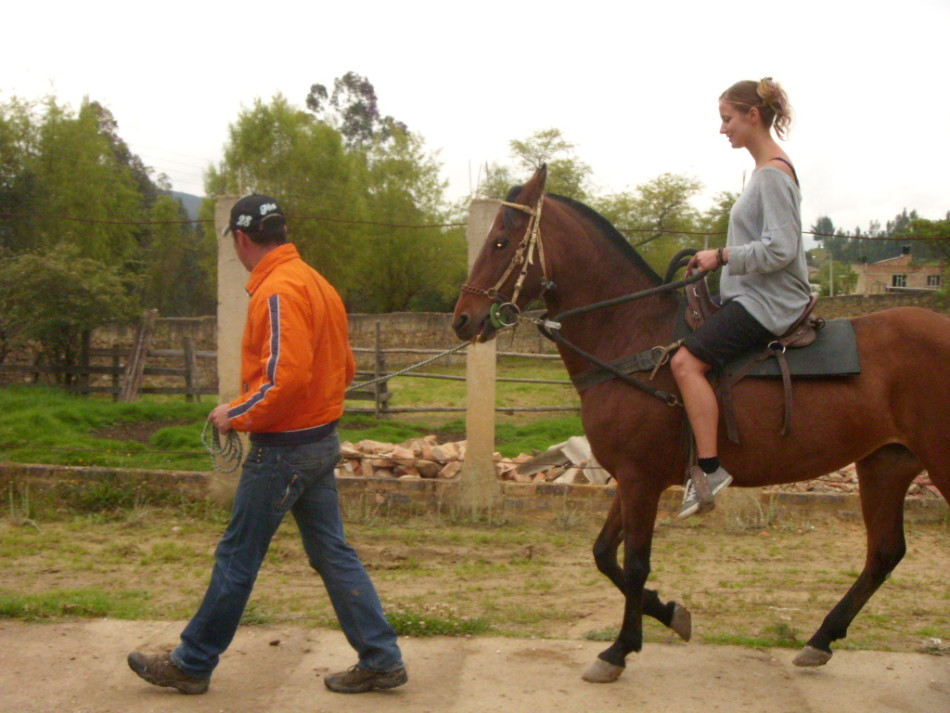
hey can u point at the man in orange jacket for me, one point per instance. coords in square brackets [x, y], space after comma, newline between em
[295, 365]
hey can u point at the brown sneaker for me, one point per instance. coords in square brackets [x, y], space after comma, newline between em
[359, 680]
[160, 670]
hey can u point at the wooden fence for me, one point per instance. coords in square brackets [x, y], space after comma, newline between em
[114, 377]
[128, 371]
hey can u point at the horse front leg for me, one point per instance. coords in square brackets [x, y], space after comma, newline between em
[638, 505]
[671, 614]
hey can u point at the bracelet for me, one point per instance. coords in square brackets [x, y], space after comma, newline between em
[719, 257]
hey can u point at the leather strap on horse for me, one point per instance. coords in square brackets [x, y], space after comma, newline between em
[776, 350]
[668, 398]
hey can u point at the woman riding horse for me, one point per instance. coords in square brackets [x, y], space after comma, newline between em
[764, 283]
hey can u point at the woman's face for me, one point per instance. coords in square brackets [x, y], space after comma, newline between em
[736, 124]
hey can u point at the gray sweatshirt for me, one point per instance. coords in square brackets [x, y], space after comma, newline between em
[766, 272]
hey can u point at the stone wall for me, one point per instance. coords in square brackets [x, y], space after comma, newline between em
[170, 333]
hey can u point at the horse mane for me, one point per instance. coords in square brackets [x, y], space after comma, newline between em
[607, 229]
[604, 227]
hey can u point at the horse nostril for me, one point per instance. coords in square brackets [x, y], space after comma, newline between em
[460, 323]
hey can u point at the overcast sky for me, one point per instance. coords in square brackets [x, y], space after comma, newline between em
[634, 85]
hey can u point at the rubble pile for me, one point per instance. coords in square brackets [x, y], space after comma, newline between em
[568, 462]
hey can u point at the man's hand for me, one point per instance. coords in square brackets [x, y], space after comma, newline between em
[219, 417]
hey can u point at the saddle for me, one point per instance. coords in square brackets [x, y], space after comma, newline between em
[804, 331]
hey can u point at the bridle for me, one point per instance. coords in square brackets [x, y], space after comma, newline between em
[505, 312]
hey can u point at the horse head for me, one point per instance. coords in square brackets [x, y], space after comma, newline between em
[509, 271]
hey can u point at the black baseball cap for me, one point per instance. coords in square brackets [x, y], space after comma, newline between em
[251, 211]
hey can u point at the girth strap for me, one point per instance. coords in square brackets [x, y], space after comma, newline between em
[641, 361]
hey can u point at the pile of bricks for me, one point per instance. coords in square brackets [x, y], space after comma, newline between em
[568, 462]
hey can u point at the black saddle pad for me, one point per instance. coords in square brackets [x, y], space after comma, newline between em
[833, 353]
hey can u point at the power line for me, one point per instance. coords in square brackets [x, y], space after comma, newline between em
[200, 220]
[427, 226]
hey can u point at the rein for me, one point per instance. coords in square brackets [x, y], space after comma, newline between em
[505, 312]
[551, 328]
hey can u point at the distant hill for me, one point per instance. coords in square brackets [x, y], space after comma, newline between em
[191, 203]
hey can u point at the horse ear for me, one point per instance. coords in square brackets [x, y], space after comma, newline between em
[533, 189]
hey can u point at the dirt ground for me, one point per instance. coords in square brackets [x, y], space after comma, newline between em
[748, 579]
[79, 667]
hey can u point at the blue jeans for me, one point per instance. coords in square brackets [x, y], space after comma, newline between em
[275, 480]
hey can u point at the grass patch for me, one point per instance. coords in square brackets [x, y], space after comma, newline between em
[41, 424]
[56, 604]
[439, 621]
[778, 635]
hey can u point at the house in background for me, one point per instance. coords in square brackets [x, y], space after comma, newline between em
[897, 274]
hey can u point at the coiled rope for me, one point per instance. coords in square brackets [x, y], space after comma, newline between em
[227, 457]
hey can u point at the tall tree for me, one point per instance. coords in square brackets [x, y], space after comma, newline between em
[280, 150]
[353, 109]
[567, 174]
[61, 172]
[175, 278]
[408, 268]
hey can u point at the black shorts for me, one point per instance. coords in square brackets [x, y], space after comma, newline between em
[726, 334]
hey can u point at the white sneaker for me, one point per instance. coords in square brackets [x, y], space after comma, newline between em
[692, 503]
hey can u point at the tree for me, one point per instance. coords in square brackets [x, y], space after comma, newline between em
[353, 109]
[364, 182]
[175, 276]
[64, 165]
[280, 150]
[567, 174]
[408, 268]
[658, 218]
[54, 298]
[938, 243]
[832, 273]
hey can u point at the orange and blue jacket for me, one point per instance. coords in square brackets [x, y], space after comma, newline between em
[296, 360]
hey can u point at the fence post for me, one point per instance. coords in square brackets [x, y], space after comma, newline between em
[134, 370]
[191, 369]
[379, 368]
[83, 378]
[232, 313]
[480, 490]
[116, 371]
[232, 305]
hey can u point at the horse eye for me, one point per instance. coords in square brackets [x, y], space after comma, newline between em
[501, 243]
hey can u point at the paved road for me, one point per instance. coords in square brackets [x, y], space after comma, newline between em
[80, 668]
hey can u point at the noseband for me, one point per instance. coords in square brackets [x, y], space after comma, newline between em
[505, 312]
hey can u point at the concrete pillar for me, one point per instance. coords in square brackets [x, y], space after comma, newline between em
[232, 305]
[480, 490]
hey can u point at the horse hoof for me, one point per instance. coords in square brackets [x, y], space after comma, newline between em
[810, 656]
[682, 622]
[602, 672]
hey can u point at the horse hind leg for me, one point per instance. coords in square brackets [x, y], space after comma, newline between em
[672, 614]
[883, 477]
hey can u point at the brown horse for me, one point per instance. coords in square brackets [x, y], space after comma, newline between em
[892, 420]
